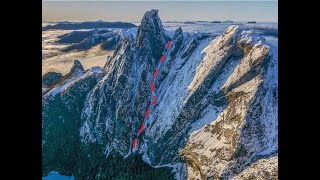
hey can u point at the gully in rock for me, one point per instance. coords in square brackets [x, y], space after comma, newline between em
[134, 144]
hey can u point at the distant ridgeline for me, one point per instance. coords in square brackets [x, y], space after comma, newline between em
[88, 25]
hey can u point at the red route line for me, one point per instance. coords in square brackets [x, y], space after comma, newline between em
[155, 73]
[147, 113]
[154, 100]
[134, 143]
[168, 44]
[162, 58]
[154, 97]
[141, 129]
[152, 86]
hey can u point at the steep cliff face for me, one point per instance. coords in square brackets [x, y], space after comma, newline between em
[245, 130]
[216, 111]
[61, 118]
[116, 106]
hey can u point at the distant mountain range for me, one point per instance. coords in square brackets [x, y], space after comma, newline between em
[88, 25]
[84, 40]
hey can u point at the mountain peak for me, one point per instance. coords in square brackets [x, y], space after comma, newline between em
[150, 27]
[178, 31]
[151, 21]
[76, 68]
[151, 36]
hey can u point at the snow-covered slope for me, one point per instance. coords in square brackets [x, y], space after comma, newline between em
[216, 111]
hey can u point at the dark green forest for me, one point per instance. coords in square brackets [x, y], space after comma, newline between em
[117, 168]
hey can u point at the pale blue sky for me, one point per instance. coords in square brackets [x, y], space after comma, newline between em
[130, 11]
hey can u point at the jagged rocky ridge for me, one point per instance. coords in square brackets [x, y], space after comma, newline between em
[216, 113]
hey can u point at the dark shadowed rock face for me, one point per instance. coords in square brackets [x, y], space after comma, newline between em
[215, 115]
[51, 78]
[111, 43]
[77, 68]
[61, 118]
[151, 38]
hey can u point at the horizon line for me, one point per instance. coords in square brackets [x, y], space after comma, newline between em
[160, 1]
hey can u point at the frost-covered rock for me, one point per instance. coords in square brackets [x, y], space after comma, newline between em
[216, 111]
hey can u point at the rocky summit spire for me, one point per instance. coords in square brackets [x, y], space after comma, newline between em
[76, 68]
[177, 32]
[151, 36]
